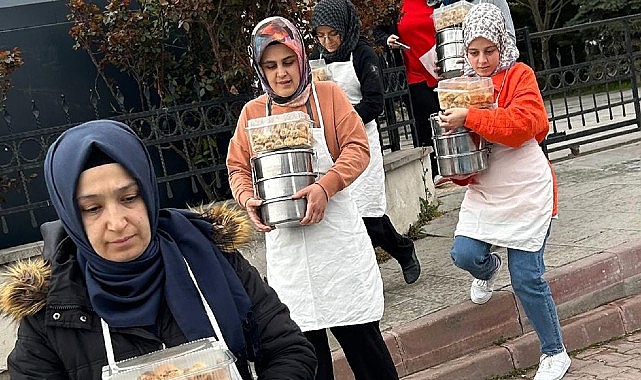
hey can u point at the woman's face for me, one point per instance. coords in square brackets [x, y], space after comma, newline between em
[328, 37]
[280, 66]
[483, 56]
[113, 212]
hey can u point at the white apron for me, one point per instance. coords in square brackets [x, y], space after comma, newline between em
[510, 203]
[368, 190]
[112, 366]
[326, 273]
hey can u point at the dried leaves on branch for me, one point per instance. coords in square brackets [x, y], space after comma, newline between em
[176, 51]
[179, 51]
[10, 60]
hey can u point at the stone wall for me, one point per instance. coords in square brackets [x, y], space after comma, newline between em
[408, 177]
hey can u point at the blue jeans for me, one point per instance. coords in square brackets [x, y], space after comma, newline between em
[526, 271]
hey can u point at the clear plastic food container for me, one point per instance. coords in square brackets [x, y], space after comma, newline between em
[320, 72]
[287, 130]
[450, 15]
[466, 92]
[203, 359]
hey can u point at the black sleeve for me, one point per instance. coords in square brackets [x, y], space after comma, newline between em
[283, 352]
[32, 357]
[381, 32]
[314, 54]
[368, 72]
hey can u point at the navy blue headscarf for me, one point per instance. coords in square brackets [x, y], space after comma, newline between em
[127, 294]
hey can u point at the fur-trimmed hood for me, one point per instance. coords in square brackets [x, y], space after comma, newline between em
[25, 283]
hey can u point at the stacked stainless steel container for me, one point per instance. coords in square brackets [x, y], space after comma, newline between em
[277, 176]
[449, 37]
[460, 152]
[282, 166]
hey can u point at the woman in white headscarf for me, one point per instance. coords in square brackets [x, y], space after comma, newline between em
[324, 270]
[512, 202]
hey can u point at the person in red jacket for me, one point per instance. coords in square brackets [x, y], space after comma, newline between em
[415, 29]
[511, 203]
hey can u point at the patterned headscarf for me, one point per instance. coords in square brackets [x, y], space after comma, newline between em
[486, 20]
[280, 30]
[340, 15]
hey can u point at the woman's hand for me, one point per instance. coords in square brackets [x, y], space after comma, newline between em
[252, 205]
[452, 118]
[316, 203]
[391, 41]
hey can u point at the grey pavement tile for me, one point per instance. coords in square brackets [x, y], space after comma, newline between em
[604, 239]
[443, 225]
[610, 198]
[557, 255]
[450, 197]
[593, 232]
[578, 179]
[410, 310]
[436, 288]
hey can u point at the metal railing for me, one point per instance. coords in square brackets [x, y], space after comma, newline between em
[588, 75]
[188, 145]
[397, 121]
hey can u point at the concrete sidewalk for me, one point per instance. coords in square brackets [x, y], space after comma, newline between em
[593, 259]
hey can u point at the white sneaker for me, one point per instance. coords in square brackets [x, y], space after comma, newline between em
[553, 367]
[481, 290]
[439, 180]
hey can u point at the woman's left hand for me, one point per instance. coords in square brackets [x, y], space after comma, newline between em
[316, 203]
[452, 118]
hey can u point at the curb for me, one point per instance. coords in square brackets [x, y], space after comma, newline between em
[598, 298]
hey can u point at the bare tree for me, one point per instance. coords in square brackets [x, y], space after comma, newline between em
[546, 15]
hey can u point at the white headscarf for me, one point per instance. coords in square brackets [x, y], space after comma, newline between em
[486, 20]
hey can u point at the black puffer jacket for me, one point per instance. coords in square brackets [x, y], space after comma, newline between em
[60, 337]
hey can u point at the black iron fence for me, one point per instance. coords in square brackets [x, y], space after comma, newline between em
[188, 145]
[396, 123]
[589, 84]
[589, 78]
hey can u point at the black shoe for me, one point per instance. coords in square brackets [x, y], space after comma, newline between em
[412, 270]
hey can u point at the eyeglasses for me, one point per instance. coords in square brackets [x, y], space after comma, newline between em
[331, 35]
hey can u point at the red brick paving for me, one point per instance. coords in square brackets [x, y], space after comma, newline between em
[619, 359]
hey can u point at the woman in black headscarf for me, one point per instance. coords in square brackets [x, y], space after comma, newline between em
[117, 265]
[354, 67]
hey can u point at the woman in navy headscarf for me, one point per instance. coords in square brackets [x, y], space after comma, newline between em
[144, 278]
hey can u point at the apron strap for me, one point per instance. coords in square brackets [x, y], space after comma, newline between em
[268, 107]
[501, 89]
[111, 360]
[318, 110]
[208, 311]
